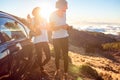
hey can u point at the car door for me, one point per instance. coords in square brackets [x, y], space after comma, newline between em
[4, 58]
[20, 48]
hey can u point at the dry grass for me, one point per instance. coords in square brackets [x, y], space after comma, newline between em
[96, 66]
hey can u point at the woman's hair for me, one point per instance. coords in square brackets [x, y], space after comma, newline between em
[60, 4]
[35, 10]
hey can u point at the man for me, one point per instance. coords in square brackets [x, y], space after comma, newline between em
[60, 34]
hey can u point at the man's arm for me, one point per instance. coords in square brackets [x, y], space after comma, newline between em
[54, 28]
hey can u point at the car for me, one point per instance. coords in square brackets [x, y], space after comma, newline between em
[17, 52]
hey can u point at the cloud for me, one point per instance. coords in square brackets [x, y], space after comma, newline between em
[103, 23]
[103, 28]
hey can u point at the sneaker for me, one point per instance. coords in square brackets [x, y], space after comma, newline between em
[65, 76]
[44, 72]
[57, 75]
[44, 75]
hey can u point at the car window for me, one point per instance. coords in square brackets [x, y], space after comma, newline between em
[2, 40]
[11, 29]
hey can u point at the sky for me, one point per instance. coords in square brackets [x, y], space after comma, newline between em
[79, 13]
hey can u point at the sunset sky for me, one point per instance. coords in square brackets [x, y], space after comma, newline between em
[80, 12]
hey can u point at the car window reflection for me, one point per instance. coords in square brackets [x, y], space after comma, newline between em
[16, 32]
[11, 30]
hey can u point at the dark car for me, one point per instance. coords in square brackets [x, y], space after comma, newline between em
[17, 53]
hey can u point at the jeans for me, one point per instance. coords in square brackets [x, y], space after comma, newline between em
[42, 47]
[61, 47]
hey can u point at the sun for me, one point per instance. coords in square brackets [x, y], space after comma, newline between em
[46, 10]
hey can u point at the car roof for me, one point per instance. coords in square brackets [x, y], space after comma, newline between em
[4, 14]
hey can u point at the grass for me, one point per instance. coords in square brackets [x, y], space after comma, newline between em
[84, 71]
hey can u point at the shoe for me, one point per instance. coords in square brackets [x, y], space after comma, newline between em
[45, 75]
[57, 75]
[44, 72]
[65, 76]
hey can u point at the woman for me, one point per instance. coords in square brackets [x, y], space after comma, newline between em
[40, 27]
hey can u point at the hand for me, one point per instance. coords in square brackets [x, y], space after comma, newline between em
[70, 28]
[65, 27]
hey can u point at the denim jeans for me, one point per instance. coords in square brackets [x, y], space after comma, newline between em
[61, 47]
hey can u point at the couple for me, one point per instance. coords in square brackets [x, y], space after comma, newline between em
[60, 35]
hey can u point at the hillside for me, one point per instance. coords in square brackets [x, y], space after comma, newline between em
[97, 66]
[102, 67]
[91, 41]
[105, 63]
[106, 68]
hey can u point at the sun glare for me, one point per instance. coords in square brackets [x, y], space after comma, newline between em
[46, 11]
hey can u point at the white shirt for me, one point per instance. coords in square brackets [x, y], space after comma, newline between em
[43, 37]
[59, 21]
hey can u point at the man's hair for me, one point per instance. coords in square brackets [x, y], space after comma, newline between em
[60, 4]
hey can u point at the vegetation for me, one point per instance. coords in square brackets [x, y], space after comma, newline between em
[89, 72]
[84, 71]
[114, 46]
[90, 41]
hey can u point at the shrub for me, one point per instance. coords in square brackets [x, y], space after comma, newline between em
[111, 46]
[89, 72]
